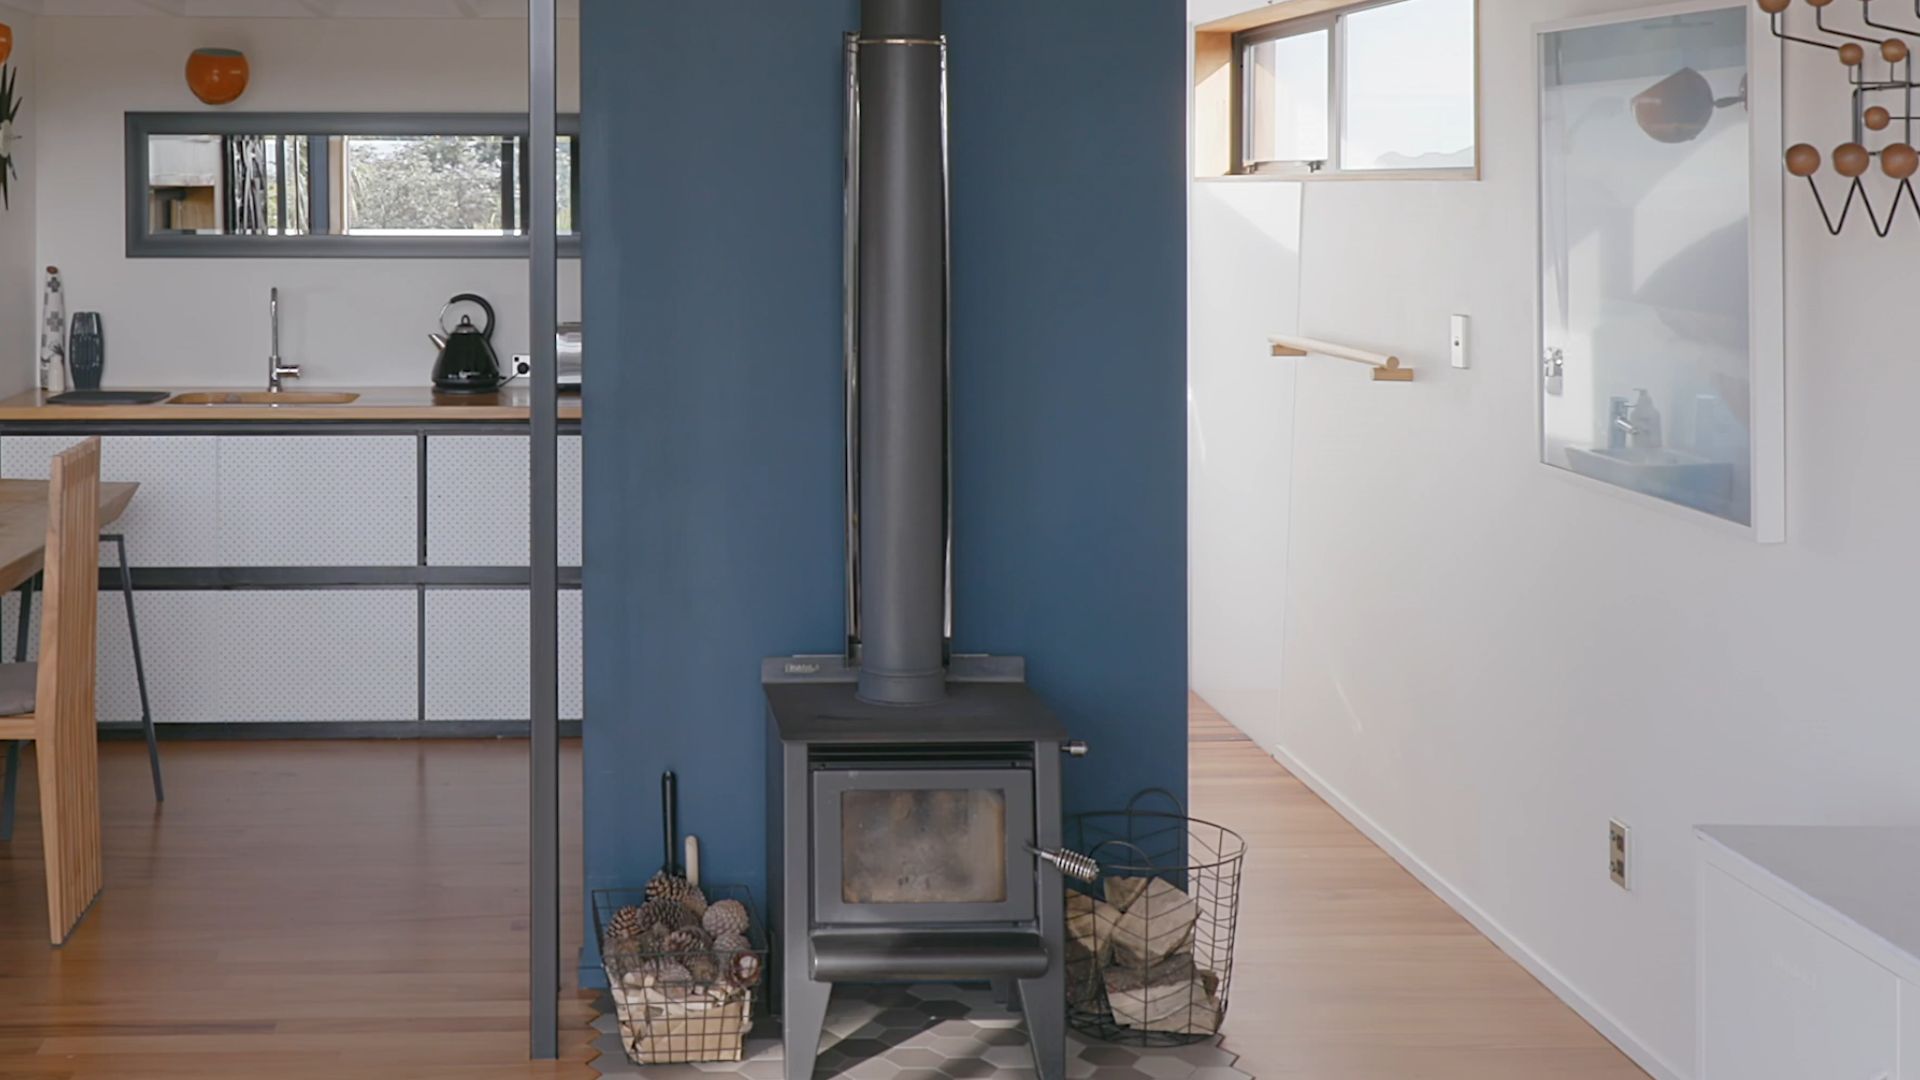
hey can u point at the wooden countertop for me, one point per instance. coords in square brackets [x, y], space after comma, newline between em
[401, 403]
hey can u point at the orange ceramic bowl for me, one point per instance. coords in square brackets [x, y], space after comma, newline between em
[217, 76]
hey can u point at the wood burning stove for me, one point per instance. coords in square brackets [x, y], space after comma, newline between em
[914, 795]
[915, 844]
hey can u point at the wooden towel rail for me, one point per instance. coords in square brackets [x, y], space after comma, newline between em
[1385, 368]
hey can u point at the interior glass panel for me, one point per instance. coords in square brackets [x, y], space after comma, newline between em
[1645, 171]
[1407, 86]
[923, 846]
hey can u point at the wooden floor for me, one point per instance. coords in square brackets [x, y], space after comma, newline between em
[331, 910]
[1348, 968]
[320, 910]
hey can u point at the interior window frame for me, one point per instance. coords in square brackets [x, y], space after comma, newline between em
[325, 132]
[1334, 22]
[1243, 90]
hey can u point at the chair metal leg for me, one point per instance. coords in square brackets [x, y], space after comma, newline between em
[139, 668]
[10, 789]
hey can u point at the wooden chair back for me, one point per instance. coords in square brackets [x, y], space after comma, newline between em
[66, 742]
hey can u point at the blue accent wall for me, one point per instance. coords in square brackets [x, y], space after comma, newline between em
[712, 197]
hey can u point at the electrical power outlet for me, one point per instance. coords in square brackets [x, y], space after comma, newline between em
[1617, 853]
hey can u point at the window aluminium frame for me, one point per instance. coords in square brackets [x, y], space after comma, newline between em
[321, 128]
[1333, 22]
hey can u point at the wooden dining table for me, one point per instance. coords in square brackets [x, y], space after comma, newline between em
[23, 525]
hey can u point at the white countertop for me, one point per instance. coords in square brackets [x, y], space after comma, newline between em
[1866, 878]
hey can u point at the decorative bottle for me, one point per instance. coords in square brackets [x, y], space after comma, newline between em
[53, 333]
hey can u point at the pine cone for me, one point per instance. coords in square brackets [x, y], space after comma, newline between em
[665, 886]
[728, 944]
[668, 913]
[726, 917]
[745, 969]
[690, 939]
[664, 970]
[623, 930]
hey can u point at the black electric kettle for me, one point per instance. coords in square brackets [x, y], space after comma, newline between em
[467, 364]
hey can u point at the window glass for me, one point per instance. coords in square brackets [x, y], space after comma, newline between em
[1407, 83]
[1287, 106]
[426, 185]
[443, 185]
[235, 185]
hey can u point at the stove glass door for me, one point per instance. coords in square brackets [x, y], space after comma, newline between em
[923, 845]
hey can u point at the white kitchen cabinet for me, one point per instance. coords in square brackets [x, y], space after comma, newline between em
[256, 656]
[1808, 967]
[306, 500]
[172, 520]
[476, 659]
[477, 500]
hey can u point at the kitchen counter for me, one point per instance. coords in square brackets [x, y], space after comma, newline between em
[383, 408]
[374, 403]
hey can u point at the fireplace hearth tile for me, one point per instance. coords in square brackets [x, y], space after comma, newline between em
[904, 1033]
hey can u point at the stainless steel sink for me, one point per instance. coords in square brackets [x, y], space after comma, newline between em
[262, 397]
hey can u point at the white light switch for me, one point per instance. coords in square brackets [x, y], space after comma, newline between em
[1460, 359]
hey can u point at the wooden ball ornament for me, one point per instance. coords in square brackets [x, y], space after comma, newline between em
[1774, 7]
[1900, 161]
[1877, 118]
[1803, 160]
[1893, 50]
[1818, 3]
[1851, 160]
[217, 76]
[1852, 55]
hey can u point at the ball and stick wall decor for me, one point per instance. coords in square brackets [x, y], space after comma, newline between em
[1879, 64]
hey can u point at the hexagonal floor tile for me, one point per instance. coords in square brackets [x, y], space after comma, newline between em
[929, 1033]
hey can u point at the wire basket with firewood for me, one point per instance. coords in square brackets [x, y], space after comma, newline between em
[682, 965]
[1150, 942]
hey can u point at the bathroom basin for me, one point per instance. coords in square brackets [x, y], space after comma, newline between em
[1673, 475]
[261, 397]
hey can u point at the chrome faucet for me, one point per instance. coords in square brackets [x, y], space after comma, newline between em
[276, 370]
[1619, 426]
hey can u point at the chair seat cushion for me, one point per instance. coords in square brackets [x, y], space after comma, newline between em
[17, 685]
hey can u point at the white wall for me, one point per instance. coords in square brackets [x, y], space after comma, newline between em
[1488, 661]
[174, 322]
[19, 265]
[1245, 286]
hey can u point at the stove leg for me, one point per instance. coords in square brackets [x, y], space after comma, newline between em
[1044, 1002]
[1004, 992]
[803, 1018]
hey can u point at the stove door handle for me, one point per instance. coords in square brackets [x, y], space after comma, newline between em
[1070, 863]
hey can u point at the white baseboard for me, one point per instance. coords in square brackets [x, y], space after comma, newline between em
[1655, 1065]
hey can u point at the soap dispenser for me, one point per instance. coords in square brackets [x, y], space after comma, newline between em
[1646, 422]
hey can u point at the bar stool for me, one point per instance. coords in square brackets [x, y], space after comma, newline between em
[8, 789]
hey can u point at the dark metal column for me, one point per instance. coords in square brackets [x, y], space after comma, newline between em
[544, 544]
